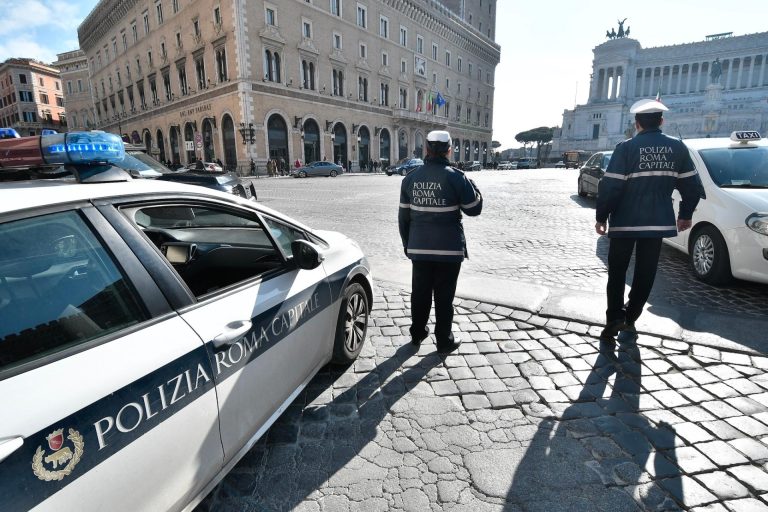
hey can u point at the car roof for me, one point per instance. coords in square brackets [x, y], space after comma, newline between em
[719, 142]
[23, 195]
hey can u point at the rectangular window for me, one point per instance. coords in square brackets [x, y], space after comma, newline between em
[183, 80]
[196, 27]
[30, 117]
[362, 16]
[146, 22]
[419, 45]
[384, 27]
[469, 68]
[217, 15]
[596, 131]
[403, 66]
[403, 36]
[114, 47]
[384, 59]
[159, 9]
[59, 101]
[336, 41]
[175, 6]
[271, 18]
[22, 79]
[336, 7]
[69, 86]
[200, 72]
[458, 64]
[134, 32]
[434, 51]
[448, 58]
[149, 58]
[125, 42]
[306, 29]
[26, 96]
[178, 39]
[363, 51]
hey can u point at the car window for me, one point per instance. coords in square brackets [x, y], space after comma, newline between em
[606, 159]
[210, 247]
[284, 234]
[742, 167]
[58, 287]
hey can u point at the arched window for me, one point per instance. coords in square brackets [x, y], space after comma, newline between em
[312, 75]
[276, 70]
[268, 65]
[304, 74]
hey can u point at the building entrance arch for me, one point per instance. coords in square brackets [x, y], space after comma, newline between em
[418, 151]
[189, 141]
[208, 153]
[228, 138]
[384, 148]
[175, 150]
[340, 145]
[277, 136]
[311, 137]
[467, 150]
[364, 148]
[402, 145]
[161, 146]
[148, 141]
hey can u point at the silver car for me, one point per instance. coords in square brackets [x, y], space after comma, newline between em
[317, 169]
[152, 332]
[592, 172]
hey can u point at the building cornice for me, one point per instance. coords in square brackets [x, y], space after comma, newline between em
[101, 19]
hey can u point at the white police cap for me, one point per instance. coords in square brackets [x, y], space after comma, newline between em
[439, 136]
[647, 106]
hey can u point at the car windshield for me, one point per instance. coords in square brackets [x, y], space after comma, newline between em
[737, 167]
[136, 160]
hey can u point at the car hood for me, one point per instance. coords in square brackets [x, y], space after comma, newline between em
[755, 199]
[202, 178]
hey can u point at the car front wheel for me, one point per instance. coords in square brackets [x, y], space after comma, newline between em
[352, 324]
[301, 174]
[582, 192]
[709, 256]
[333, 173]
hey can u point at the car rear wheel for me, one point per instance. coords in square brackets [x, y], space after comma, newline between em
[352, 324]
[709, 256]
[582, 192]
[334, 173]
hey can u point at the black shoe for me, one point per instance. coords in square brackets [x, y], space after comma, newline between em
[448, 346]
[416, 340]
[612, 328]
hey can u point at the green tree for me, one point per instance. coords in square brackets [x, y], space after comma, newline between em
[538, 136]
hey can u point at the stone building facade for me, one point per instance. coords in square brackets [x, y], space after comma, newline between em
[31, 98]
[73, 68]
[346, 80]
[711, 87]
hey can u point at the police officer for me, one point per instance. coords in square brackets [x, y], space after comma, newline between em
[634, 197]
[432, 199]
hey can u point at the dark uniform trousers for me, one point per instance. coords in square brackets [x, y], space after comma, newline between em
[440, 278]
[646, 262]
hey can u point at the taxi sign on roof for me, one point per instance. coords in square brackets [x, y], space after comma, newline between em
[745, 136]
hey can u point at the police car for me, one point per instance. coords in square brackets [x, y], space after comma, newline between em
[729, 236]
[151, 332]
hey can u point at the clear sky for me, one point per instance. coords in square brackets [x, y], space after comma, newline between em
[546, 46]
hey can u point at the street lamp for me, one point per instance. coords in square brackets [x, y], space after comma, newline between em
[119, 116]
[247, 133]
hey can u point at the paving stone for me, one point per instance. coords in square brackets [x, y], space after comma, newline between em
[747, 405]
[670, 398]
[565, 352]
[497, 358]
[712, 507]
[686, 490]
[721, 390]
[658, 366]
[694, 413]
[722, 430]
[744, 386]
[577, 363]
[751, 476]
[445, 388]
[483, 372]
[709, 352]
[677, 380]
[754, 450]
[553, 366]
[563, 379]
[469, 386]
[683, 362]
[475, 360]
[461, 373]
[493, 385]
[747, 505]
[531, 369]
[539, 383]
[692, 433]
[696, 395]
[554, 396]
[505, 371]
[720, 410]
[722, 485]
[472, 402]
[501, 400]
[690, 460]
[721, 453]
[633, 443]
[723, 371]
[542, 355]
[525, 396]
[735, 358]
[749, 426]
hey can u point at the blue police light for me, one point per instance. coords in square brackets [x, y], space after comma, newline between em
[82, 148]
[9, 133]
[48, 131]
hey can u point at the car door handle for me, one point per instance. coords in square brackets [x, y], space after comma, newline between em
[233, 332]
[9, 445]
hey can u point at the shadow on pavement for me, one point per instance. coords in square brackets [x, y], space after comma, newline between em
[315, 439]
[602, 454]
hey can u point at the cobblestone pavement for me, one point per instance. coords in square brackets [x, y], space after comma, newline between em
[527, 416]
[534, 228]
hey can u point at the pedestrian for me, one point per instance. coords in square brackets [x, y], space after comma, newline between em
[199, 165]
[281, 166]
[297, 163]
[432, 199]
[271, 167]
[635, 200]
[253, 167]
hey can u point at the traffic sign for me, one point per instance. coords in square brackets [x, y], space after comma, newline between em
[189, 145]
[199, 140]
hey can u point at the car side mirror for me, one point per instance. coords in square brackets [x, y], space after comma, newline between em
[306, 255]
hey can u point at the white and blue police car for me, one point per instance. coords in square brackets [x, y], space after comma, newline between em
[151, 332]
[729, 236]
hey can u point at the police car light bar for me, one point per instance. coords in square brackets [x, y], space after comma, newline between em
[9, 133]
[76, 148]
[745, 136]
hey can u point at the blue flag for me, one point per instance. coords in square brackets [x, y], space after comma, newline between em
[439, 101]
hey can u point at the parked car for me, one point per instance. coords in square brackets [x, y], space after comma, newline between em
[317, 169]
[729, 236]
[504, 165]
[473, 166]
[591, 173]
[405, 166]
[175, 324]
[205, 166]
[527, 163]
[560, 165]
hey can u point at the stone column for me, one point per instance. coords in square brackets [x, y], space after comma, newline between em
[751, 71]
[614, 85]
[688, 78]
[738, 76]
[698, 77]
[762, 71]
[730, 74]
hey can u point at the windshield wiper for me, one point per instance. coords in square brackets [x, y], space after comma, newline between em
[743, 185]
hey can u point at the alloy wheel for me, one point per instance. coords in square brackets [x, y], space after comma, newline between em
[703, 254]
[355, 322]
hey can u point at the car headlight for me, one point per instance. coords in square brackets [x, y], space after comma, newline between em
[758, 222]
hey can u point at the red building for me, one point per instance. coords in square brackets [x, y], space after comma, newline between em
[31, 97]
